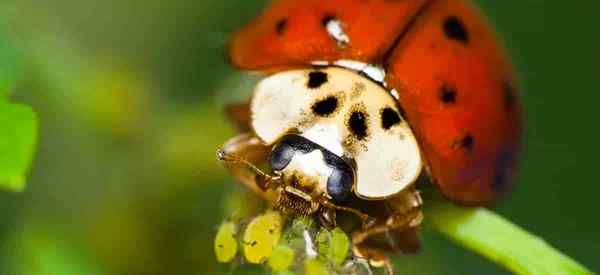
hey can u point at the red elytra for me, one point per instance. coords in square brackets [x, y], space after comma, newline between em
[456, 85]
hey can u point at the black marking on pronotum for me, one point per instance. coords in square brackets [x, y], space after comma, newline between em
[316, 79]
[280, 26]
[448, 95]
[455, 29]
[325, 107]
[357, 124]
[509, 95]
[389, 118]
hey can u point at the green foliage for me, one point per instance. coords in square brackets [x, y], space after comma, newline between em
[10, 67]
[501, 241]
[18, 125]
[44, 251]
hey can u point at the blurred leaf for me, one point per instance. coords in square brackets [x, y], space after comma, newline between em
[18, 127]
[225, 243]
[241, 203]
[500, 240]
[40, 248]
[10, 67]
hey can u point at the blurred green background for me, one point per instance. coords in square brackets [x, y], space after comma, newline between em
[128, 94]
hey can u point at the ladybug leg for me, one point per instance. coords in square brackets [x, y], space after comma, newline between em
[239, 115]
[375, 258]
[366, 246]
[240, 154]
[328, 218]
[365, 219]
[395, 232]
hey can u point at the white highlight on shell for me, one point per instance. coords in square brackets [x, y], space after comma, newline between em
[320, 63]
[375, 72]
[395, 94]
[335, 29]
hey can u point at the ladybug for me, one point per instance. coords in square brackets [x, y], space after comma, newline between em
[361, 99]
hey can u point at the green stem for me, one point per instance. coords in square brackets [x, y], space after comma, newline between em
[501, 241]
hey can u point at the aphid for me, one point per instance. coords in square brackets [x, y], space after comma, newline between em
[364, 97]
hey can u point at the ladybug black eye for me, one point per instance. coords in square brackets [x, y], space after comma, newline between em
[341, 180]
[281, 156]
[339, 184]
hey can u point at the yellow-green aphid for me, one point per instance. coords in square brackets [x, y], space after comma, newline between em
[333, 245]
[261, 236]
[226, 245]
[281, 258]
[315, 267]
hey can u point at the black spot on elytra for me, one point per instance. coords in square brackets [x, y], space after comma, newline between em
[467, 142]
[455, 29]
[325, 107]
[358, 124]
[448, 95]
[389, 118]
[509, 95]
[504, 165]
[280, 26]
[316, 79]
[327, 18]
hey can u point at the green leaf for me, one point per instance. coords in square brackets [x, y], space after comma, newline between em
[18, 130]
[500, 240]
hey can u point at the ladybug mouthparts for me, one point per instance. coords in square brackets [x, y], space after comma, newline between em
[295, 202]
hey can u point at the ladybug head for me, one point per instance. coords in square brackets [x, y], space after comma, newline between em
[311, 169]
